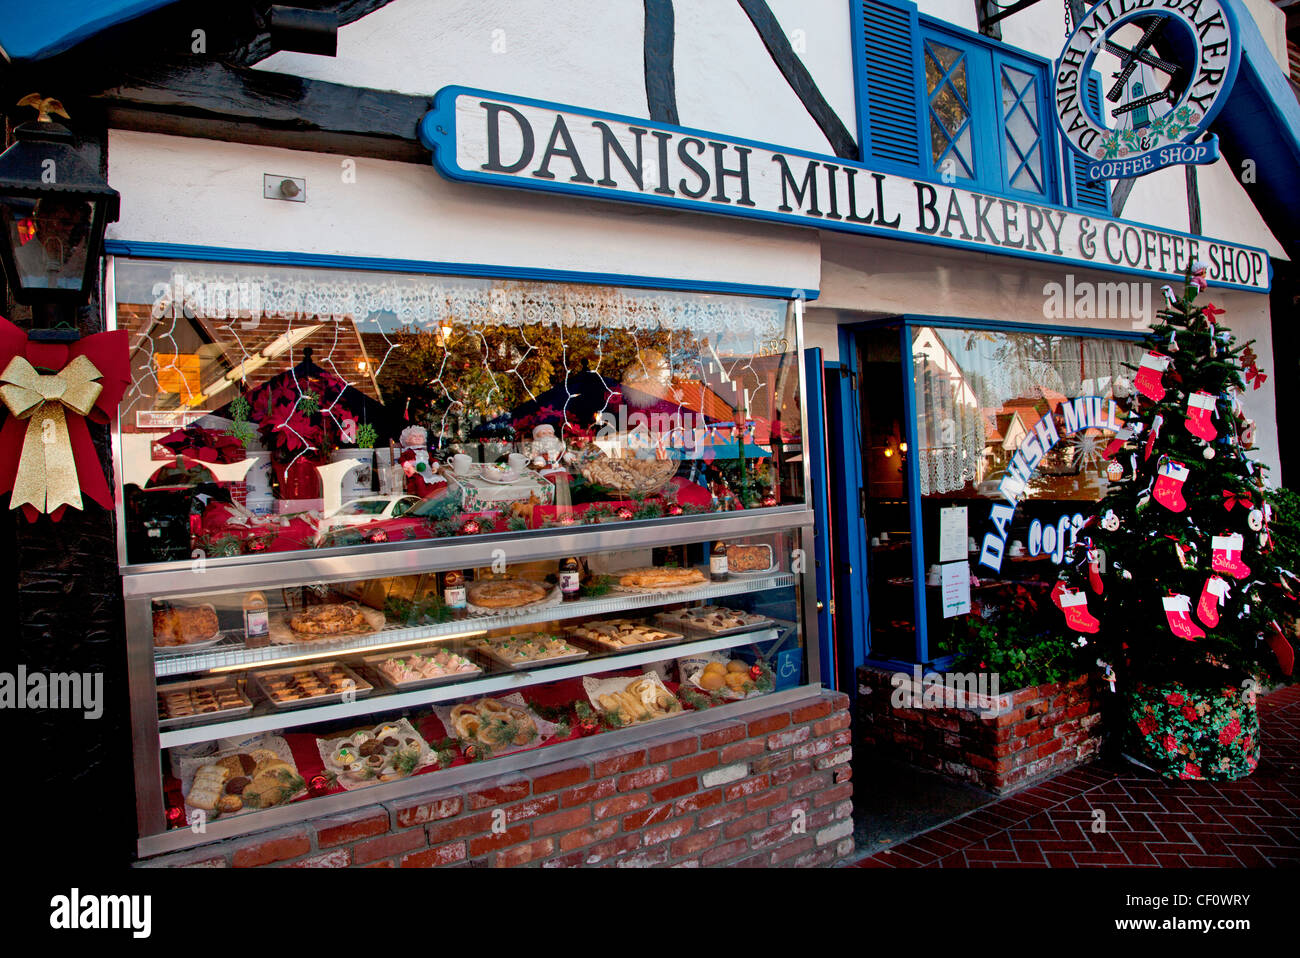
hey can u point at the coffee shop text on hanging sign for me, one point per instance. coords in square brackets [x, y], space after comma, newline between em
[489, 138]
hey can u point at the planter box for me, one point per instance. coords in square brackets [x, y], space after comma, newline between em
[1001, 743]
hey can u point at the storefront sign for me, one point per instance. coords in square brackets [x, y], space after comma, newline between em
[1166, 69]
[1076, 415]
[484, 137]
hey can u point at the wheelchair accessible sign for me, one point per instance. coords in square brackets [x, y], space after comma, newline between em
[1166, 68]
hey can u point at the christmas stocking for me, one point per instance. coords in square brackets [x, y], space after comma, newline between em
[1225, 554]
[1212, 596]
[1200, 410]
[1075, 607]
[1178, 610]
[1281, 648]
[1094, 571]
[1156, 423]
[1169, 485]
[1149, 373]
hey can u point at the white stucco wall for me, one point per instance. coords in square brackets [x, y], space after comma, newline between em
[202, 192]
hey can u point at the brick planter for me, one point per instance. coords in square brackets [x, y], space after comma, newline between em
[1037, 732]
[769, 789]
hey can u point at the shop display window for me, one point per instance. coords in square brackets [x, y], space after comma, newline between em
[273, 409]
[1012, 435]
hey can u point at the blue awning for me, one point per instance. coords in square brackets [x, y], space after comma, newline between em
[1261, 123]
[35, 31]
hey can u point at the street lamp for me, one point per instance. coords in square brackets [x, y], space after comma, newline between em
[54, 208]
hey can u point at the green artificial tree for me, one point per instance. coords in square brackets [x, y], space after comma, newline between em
[1174, 581]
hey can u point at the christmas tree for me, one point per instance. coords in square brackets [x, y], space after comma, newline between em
[1172, 580]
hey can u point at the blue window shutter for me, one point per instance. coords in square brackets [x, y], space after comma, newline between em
[889, 99]
[1092, 196]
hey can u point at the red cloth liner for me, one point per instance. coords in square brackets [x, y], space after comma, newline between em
[109, 352]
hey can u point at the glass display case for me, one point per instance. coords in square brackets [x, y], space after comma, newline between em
[383, 534]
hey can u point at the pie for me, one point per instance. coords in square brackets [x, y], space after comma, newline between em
[749, 558]
[173, 627]
[333, 619]
[506, 593]
[658, 578]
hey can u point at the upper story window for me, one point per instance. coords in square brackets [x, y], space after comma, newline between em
[942, 103]
[986, 117]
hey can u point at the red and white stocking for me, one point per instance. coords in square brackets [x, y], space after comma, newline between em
[1094, 571]
[1178, 610]
[1075, 607]
[1156, 423]
[1212, 596]
[1200, 413]
[1149, 374]
[1225, 555]
[1169, 484]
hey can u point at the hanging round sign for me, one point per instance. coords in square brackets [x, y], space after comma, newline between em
[1140, 81]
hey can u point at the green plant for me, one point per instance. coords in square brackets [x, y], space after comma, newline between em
[366, 436]
[1020, 646]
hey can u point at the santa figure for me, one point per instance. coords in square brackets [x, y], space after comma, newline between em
[419, 471]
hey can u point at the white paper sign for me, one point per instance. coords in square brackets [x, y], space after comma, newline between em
[956, 588]
[952, 534]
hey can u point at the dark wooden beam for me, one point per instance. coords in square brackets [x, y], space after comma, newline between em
[660, 78]
[220, 101]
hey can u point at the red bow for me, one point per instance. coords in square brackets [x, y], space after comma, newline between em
[109, 352]
[1231, 499]
[1212, 313]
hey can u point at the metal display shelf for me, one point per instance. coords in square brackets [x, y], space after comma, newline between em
[501, 681]
[237, 656]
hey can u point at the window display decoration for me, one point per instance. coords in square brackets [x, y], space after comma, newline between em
[47, 458]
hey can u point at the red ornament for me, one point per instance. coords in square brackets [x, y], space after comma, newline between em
[769, 501]
[175, 816]
[675, 510]
[755, 671]
[624, 513]
[588, 727]
[379, 535]
[470, 528]
[319, 785]
[256, 545]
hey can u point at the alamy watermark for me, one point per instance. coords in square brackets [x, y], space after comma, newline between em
[946, 690]
[82, 691]
[1088, 300]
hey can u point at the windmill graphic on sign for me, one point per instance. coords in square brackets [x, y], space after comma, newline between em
[1139, 96]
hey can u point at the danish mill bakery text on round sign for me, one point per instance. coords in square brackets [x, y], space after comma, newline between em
[1165, 69]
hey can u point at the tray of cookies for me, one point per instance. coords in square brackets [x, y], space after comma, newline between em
[389, 751]
[206, 699]
[660, 579]
[320, 684]
[619, 635]
[420, 668]
[712, 620]
[498, 725]
[641, 699]
[750, 559]
[525, 651]
[253, 778]
[509, 596]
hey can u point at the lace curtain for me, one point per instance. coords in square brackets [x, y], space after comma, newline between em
[977, 390]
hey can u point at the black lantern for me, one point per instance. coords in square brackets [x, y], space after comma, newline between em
[54, 208]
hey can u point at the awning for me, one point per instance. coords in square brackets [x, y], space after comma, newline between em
[35, 31]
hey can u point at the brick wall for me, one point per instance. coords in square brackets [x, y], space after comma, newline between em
[1037, 732]
[770, 789]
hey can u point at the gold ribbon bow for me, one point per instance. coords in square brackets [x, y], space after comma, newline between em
[47, 468]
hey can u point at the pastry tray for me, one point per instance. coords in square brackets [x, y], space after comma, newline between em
[378, 659]
[607, 646]
[669, 623]
[329, 698]
[204, 716]
[498, 659]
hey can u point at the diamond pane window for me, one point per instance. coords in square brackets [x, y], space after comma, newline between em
[1023, 138]
[949, 106]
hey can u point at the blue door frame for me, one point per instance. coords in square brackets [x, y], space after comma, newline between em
[823, 547]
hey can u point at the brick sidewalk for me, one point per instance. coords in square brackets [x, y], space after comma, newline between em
[1151, 822]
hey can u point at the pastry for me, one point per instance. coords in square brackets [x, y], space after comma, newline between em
[236, 786]
[749, 558]
[173, 627]
[658, 578]
[506, 593]
[333, 619]
[230, 803]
